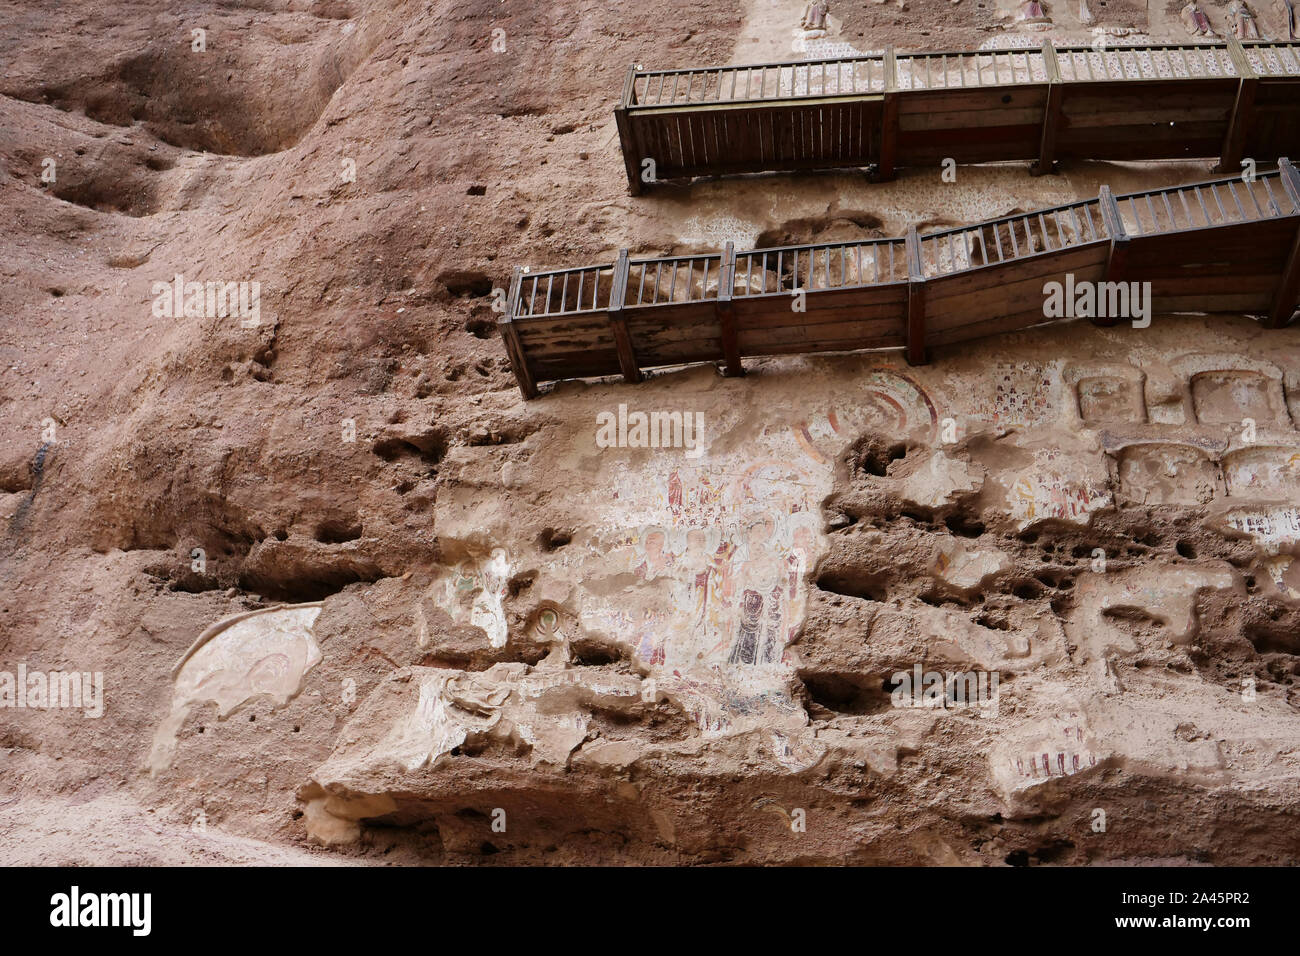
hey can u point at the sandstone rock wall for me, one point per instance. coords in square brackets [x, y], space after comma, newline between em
[484, 630]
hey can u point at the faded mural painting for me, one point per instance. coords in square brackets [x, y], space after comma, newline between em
[474, 593]
[723, 546]
[719, 548]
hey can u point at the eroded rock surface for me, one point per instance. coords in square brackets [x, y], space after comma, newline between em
[354, 600]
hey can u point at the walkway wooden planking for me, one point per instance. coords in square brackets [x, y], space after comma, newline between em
[1229, 100]
[1221, 246]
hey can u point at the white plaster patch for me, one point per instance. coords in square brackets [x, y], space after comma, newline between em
[716, 231]
[264, 653]
[475, 593]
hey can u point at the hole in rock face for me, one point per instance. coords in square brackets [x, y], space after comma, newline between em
[1186, 549]
[337, 531]
[1018, 858]
[465, 283]
[856, 584]
[480, 326]
[873, 456]
[1273, 638]
[850, 694]
[520, 583]
[593, 654]
[430, 447]
[964, 525]
[552, 539]
[1053, 851]
[915, 515]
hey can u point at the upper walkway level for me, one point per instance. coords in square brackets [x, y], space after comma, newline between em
[1228, 99]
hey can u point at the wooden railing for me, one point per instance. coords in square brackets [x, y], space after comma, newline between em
[1221, 203]
[1228, 245]
[1012, 237]
[845, 76]
[837, 265]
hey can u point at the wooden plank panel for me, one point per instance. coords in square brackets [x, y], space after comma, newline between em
[1210, 304]
[1195, 283]
[855, 297]
[957, 100]
[1256, 303]
[1013, 322]
[1095, 95]
[1143, 98]
[847, 331]
[1011, 298]
[674, 313]
[656, 336]
[1145, 117]
[1240, 242]
[1040, 266]
[778, 317]
[681, 353]
[1137, 133]
[970, 120]
[813, 348]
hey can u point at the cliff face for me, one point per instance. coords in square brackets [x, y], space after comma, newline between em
[353, 600]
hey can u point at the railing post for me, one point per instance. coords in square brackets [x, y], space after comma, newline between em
[1119, 239]
[628, 142]
[1290, 179]
[510, 336]
[1051, 112]
[1288, 289]
[916, 350]
[726, 313]
[1243, 109]
[887, 142]
[618, 320]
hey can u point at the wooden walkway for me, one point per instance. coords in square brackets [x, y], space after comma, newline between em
[1222, 246]
[1231, 100]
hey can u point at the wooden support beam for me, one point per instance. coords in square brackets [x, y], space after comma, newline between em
[726, 313]
[1288, 288]
[1243, 110]
[888, 145]
[1290, 179]
[618, 321]
[628, 141]
[1051, 113]
[916, 350]
[1116, 258]
[510, 336]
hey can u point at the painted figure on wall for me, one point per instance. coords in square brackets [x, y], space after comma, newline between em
[1245, 25]
[1291, 15]
[815, 15]
[1195, 20]
[482, 586]
[1031, 11]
